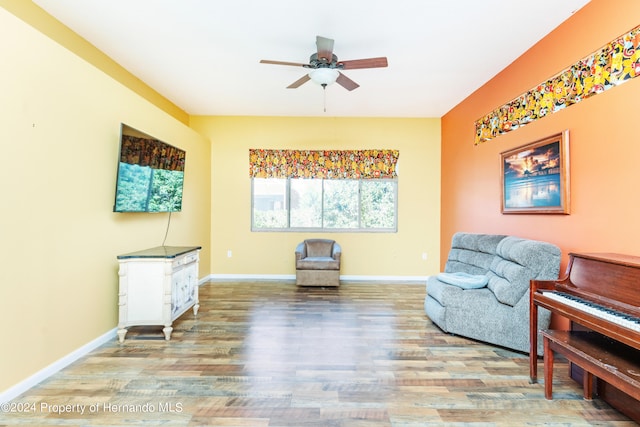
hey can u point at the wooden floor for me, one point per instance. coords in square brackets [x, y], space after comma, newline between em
[271, 354]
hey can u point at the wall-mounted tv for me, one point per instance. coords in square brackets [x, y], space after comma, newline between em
[150, 174]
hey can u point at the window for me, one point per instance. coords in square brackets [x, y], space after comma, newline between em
[324, 190]
[295, 204]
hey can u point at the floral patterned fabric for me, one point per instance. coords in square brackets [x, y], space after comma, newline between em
[327, 164]
[151, 152]
[612, 65]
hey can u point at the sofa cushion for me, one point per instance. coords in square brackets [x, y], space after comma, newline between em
[472, 253]
[517, 262]
[541, 257]
[447, 295]
[317, 263]
[319, 247]
[508, 281]
[464, 280]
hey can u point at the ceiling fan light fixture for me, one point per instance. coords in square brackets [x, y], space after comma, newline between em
[324, 76]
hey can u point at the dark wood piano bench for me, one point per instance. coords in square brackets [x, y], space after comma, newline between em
[598, 355]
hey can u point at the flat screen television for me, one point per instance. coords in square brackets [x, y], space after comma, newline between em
[150, 174]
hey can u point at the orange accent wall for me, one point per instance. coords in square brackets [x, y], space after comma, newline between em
[604, 146]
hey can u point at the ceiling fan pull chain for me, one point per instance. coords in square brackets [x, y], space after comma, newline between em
[324, 96]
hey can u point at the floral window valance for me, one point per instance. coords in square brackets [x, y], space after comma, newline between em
[327, 164]
[612, 65]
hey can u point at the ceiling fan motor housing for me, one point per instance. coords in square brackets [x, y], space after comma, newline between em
[315, 62]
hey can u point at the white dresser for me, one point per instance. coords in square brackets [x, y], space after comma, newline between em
[157, 286]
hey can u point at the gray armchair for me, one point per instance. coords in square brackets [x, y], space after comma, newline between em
[318, 263]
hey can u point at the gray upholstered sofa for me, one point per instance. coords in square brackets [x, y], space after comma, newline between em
[497, 312]
[318, 263]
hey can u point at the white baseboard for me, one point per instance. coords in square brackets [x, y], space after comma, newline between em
[56, 366]
[248, 277]
[346, 278]
[418, 280]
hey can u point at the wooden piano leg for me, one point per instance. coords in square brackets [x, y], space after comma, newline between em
[548, 369]
[533, 341]
[587, 385]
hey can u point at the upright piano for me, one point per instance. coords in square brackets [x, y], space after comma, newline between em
[600, 292]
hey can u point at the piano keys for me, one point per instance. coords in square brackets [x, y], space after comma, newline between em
[596, 310]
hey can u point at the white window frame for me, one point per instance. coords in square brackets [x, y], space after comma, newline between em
[323, 229]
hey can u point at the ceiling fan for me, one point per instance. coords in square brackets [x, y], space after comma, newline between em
[325, 67]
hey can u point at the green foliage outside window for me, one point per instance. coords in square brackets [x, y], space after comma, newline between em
[319, 204]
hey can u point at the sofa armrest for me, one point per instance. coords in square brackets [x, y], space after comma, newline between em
[337, 251]
[301, 251]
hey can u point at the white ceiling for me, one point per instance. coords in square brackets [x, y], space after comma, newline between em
[204, 55]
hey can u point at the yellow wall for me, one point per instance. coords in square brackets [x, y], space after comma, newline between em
[38, 18]
[364, 254]
[59, 142]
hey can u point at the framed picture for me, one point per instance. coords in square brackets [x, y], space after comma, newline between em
[535, 177]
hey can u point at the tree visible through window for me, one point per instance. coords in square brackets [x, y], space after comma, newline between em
[324, 204]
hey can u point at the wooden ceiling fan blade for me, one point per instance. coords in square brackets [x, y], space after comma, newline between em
[364, 63]
[294, 64]
[299, 82]
[346, 82]
[325, 48]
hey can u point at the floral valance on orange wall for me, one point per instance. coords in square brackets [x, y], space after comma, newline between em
[327, 164]
[612, 65]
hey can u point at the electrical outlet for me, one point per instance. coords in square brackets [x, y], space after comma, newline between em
[229, 253]
[424, 256]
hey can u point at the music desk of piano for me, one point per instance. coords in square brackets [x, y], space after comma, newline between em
[600, 292]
